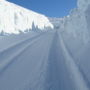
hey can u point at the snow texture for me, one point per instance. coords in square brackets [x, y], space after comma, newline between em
[15, 19]
[57, 59]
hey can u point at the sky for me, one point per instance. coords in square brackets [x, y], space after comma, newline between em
[50, 8]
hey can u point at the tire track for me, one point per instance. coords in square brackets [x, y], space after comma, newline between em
[33, 67]
[8, 56]
[76, 75]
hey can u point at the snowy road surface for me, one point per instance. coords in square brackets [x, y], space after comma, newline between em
[39, 61]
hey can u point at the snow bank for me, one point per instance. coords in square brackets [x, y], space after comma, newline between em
[15, 19]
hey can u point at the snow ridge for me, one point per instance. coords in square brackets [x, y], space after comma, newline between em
[16, 19]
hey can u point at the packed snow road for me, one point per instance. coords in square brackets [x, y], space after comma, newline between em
[38, 61]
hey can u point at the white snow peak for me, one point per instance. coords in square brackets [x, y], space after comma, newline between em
[16, 19]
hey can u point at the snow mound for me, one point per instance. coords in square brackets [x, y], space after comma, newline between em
[16, 19]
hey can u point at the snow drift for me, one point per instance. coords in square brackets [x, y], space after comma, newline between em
[16, 19]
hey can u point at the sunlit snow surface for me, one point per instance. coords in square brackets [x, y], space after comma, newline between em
[57, 59]
[15, 19]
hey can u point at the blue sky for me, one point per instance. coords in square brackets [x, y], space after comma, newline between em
[51, 8]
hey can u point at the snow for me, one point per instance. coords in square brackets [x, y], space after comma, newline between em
[24, 66]
[74, 69]
[77, 24]
[82, 4]
[57, 59]
[16, 19]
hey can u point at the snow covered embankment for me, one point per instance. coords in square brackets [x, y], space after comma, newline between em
[15, 19]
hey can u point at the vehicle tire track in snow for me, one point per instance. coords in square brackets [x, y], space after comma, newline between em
[8, 41]
[17, 45]
[7, 56]
[76, 75]
[36, 66]
[79, 63]
[34, 57]
[57, 77]
[38, 83]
